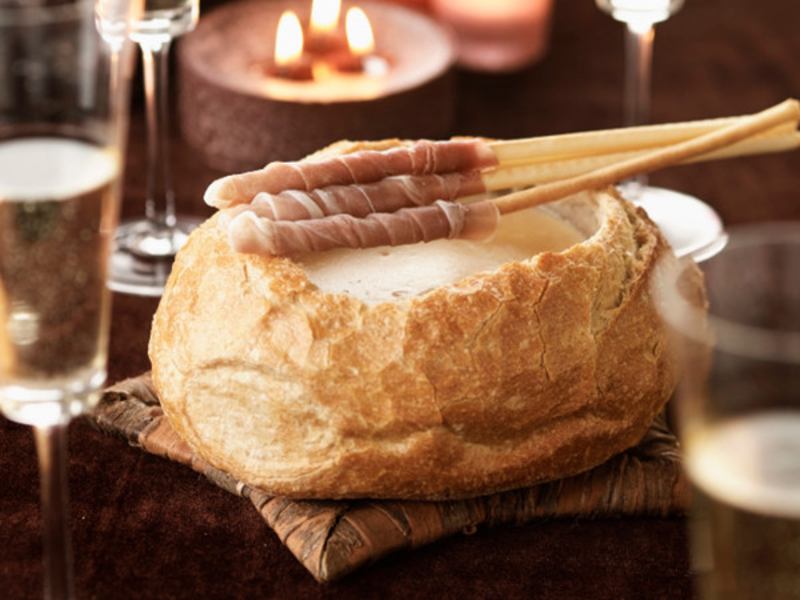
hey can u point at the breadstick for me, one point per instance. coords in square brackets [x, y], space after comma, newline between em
[604, 141]
[780, 139]
[734, 132]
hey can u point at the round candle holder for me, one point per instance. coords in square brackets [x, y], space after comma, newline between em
[240, 116]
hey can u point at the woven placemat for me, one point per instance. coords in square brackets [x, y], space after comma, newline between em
[334, 538]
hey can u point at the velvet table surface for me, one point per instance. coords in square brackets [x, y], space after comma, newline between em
[144, 527]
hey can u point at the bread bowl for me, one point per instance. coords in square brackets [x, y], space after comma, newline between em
[536, 369]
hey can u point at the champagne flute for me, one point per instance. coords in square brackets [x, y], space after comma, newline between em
[63, 116]
[145, 247]
[691, 226]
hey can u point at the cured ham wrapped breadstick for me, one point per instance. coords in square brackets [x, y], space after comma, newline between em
[420, 158]
[359, 200]
[440, 220]
[315, 230]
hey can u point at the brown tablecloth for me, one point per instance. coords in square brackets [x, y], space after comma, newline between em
[144, 527]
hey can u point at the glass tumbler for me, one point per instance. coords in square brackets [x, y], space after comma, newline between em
[737, 410]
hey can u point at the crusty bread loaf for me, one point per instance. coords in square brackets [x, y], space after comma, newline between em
[537, 370]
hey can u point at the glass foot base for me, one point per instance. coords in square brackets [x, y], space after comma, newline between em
[143, 253]
[47, 402]
[691, 226]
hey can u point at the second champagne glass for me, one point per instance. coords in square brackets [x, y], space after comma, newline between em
[145, 248]
[691, 226]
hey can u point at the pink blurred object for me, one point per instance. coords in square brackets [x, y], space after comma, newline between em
[421, 5]
[497, 35]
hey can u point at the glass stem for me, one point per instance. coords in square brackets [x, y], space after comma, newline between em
[51, 447]
[160, 201]
[638, 66]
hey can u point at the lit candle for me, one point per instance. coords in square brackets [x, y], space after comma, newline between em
[359, 32]
[288, 40]
[323, 27]
[360, 56]
[325, 17]
[289, 61]
[497, 35]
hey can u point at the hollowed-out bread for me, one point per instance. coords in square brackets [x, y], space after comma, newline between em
[531, 371]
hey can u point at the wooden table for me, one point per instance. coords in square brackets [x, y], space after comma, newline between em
[147, 528]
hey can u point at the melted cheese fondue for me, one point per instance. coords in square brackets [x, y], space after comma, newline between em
[386, 274]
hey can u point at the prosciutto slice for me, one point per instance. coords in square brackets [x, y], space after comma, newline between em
[367, 166]
[359, 200]
[253, 235]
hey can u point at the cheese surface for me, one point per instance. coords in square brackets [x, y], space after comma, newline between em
[387, 274]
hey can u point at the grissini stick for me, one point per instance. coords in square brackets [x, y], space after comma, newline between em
[252, 234]
[609, 141]
[494, 166]
[739, 130]
[507, 176]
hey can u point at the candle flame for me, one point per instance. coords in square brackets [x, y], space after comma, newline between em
[359, 32]
[288, 40]
[325, 15]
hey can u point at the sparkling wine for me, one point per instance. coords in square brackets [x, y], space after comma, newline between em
[57, 215]
[747, 474]
[752, 462]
